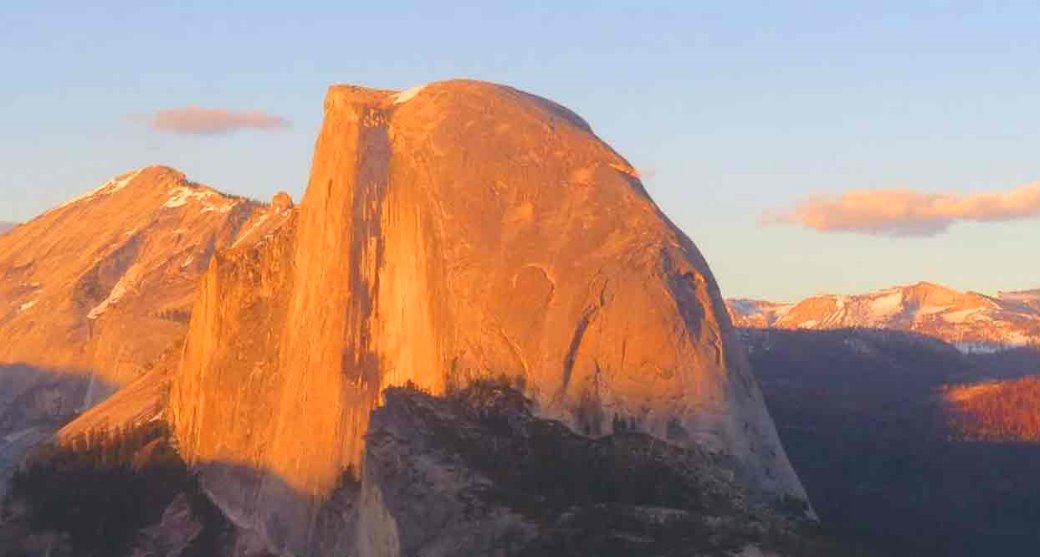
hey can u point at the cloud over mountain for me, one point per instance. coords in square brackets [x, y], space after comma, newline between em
[906, 212]
[196, 120]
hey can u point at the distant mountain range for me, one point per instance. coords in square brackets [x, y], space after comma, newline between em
[941, 389]
[5, 226]
[970, 321]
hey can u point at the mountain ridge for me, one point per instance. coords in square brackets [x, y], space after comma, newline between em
[97, 291]
[969, 320]
[140, 239]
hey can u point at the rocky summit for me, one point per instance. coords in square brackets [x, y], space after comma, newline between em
[452, 232]
[103, 283]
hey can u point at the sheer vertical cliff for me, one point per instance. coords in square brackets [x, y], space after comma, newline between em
[451, 232]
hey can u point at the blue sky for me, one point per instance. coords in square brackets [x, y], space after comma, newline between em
[730, 109]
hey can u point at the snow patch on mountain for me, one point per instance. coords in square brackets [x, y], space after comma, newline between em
[933, 310]
[743, 310]
[210, 200]
[408, 94]
[886, 305]
[257, 223]
[125, 284]
[108, 188]
[743, 306]
[963, 316]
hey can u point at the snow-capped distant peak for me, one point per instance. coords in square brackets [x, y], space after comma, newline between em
[886, 304]
[755, 313]
[969, 320]
[744, 306]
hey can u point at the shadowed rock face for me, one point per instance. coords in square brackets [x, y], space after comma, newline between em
[452, 232]
[104, 283]
[33, 404]
[476, 474]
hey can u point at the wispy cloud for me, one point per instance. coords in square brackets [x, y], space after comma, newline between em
[195, 120]
[906, 212]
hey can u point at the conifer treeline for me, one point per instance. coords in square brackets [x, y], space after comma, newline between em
[100, 489]
[999, 411]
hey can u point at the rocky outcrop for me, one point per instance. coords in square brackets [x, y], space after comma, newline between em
[448, 233]
[282, 201]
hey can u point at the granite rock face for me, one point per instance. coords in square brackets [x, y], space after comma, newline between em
[449, 233]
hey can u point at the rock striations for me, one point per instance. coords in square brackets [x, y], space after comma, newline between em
[452, 232]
